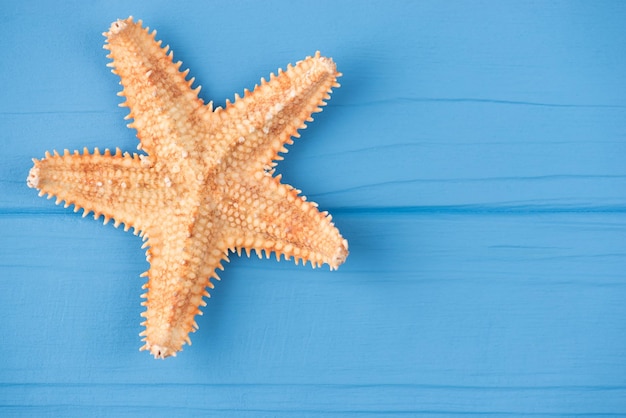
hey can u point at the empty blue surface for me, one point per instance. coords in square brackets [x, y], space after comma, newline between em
[473, 157]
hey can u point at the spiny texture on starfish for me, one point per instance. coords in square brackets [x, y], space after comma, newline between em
[206, 185]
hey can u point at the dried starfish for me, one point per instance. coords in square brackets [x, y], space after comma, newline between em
[206, 185]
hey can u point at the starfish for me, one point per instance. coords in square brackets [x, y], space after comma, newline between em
[204, 185]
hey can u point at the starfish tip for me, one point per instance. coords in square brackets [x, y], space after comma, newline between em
[33, 176]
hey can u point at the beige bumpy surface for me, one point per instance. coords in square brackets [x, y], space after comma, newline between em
[205, 186]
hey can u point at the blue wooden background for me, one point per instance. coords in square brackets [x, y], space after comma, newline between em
[474, 158]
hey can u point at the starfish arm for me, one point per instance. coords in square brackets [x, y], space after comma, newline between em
[164, 107]
[264, 120]
[279, 220]
[182, 259]
[115, 186]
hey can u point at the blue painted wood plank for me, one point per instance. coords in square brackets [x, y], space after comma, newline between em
[321, 400]
[404, 163]
[473, 157]
[524, 112]
[417, 323]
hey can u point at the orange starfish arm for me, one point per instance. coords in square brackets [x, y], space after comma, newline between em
[155, 90]
[278, 220]
[182, 261]
[110, 185]
[266, 118]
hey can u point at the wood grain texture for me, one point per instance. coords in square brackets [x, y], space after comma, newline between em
[474, 158]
